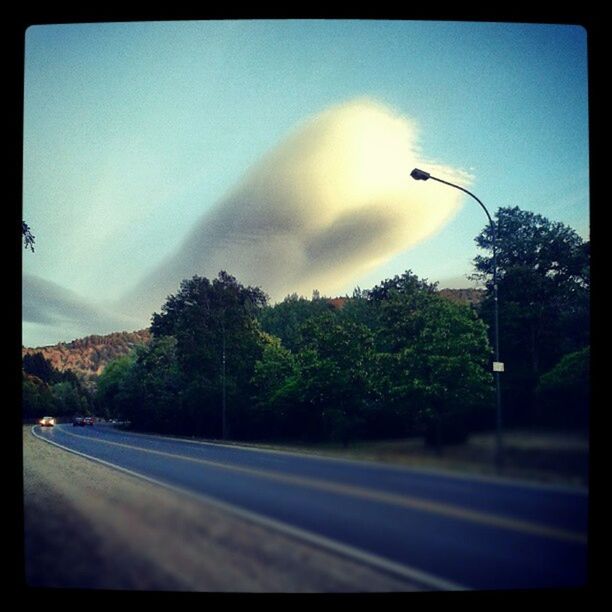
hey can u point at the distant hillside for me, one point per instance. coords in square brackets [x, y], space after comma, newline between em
[87, 357]
[463, 296]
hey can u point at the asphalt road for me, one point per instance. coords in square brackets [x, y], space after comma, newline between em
[442, 531]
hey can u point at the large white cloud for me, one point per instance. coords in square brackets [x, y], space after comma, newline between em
[332, 201]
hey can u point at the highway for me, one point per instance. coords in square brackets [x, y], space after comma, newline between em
[442, 531]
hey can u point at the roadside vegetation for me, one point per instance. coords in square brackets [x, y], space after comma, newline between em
[47, 391]
[393, 361]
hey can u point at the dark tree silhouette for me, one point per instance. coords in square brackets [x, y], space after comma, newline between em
[28, 237]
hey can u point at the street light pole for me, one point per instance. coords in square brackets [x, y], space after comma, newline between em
[421, 175]
[223, 411]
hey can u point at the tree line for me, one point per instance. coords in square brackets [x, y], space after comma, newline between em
[47, 391]
[394, 360]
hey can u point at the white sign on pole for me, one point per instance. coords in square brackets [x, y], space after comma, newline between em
[498, 366]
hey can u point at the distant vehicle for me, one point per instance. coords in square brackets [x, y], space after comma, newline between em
[78, 421]
[47, 421]
[88, 420]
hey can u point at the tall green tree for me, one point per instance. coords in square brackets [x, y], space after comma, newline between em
[218, 341]
[544, 284]
[335, 365]
[286, 318]
[275, 409]
[564, 392]
[433, 357]
[398, 302]
[68, 400]
[111, 387]
[148, 390]
[36, 398]
[321, 390]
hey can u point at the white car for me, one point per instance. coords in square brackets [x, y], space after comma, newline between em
[47, 421]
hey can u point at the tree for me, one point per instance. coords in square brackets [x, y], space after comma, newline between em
[149, 387]
[218, 341]
[432, 361]
[544, 281]
[321, 389]
[47, 391]
[408, 285]
[28, 238]
[276, 398]
[68, 400]
[36, 398]
[564, 392]
[286, 318]
[335, 366]
[36, 365]
[397, 303]
[112, 385]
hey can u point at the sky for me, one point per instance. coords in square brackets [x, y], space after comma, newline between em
[281, 151]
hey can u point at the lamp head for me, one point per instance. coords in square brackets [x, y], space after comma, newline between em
[419, 175]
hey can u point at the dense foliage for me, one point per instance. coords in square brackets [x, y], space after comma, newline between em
[387, 362]
[393, 361]
[563, 393]
[47, 391]
[544, 302]
[285, 320]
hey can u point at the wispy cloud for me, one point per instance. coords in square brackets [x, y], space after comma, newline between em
[56, 312]
[332, 201]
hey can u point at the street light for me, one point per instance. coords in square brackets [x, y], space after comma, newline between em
[421, 175]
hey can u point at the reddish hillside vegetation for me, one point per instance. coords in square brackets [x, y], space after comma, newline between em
[463, 296]
[88, 356]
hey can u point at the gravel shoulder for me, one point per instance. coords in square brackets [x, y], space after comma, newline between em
[88, 526]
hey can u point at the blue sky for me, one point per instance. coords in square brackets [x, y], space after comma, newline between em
[133, 131]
